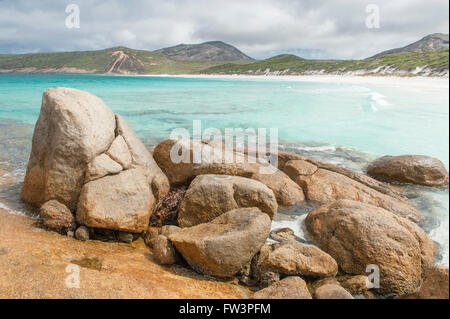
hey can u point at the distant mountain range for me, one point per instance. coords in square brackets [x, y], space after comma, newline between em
[213, 51]
[426, 57]
[432, 42]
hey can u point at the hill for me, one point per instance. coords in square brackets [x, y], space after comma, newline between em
[122, 60]
[213, 51]
[432, 42]
[409, 63]
[119, 60]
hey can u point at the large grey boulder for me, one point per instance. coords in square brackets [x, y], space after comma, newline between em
[89, 159]
[210, 196]
[225, 245]
[73, 128]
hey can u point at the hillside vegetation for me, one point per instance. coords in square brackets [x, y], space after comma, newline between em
[122, 60]
[212, 51]
[427, 63]
[118, 60]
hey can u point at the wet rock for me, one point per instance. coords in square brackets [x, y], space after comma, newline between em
[214, 160]
[89, 262]
[223, 246]
[245, 275]
[163, 250]
[414, 169]
[6, 178]
[38, 261]
[295, 258]
[73, 128]
[267, 278]
[118, 202]
[435, 284]
[167, 230]
[3, 251]
[82, 233]
[151, 234]
[125, 237]
[282, 234]
[209, 196]
[357, 235]
[330, 291]
[303, 167]
[354, 284]
[325, 186]
[57, 216]
[288, 288]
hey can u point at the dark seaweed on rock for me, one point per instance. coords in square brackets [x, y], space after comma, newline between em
[166, 211]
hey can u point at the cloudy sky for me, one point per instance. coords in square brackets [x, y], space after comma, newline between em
[260, 28]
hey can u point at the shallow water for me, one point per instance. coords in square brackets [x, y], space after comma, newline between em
[342, 123]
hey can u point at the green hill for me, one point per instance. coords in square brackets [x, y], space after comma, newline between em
[119, 60]
[409, 63]
[122, 60]
[212, 51]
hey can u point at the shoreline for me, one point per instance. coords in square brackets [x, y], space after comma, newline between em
[442, 82]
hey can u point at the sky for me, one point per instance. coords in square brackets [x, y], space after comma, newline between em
[317, 29]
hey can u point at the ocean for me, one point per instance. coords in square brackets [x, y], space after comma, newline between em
[348, 124]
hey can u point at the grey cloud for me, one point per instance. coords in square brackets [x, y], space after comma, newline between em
[310, 28]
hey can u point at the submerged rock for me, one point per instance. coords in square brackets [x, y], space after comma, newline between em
[357, 235]
[225, 245]
[288, 288]
[414, 169]
[57, 216]
[214, 159]
[435, 284]
[282, 234]
[210, 196]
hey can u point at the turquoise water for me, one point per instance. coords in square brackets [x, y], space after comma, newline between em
[348, 124]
